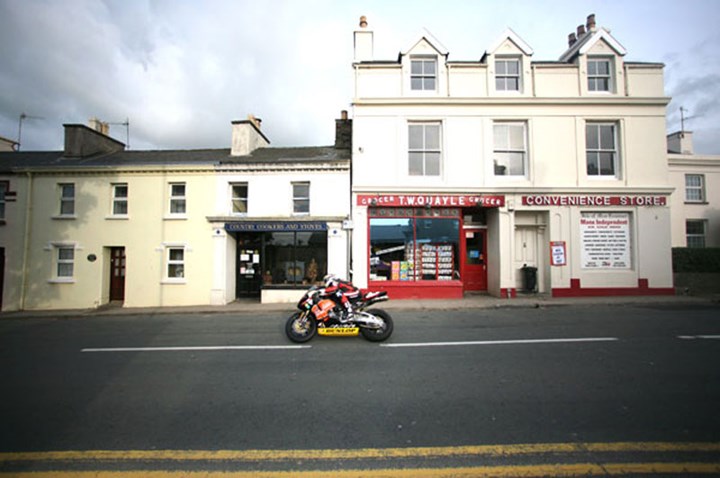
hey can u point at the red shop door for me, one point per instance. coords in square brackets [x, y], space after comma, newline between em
[117, 273]
[475, 260]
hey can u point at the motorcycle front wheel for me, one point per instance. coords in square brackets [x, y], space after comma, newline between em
[300, 327]
[378, 335]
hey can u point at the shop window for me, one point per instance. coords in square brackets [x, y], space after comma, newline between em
[695, 232]
[509, 149]
[695, 188]
[424, 150]
[239, 193]
[120, 199]
[601, 148]
[423, 74]
[294, 258]
[507, 74]
[417, 248]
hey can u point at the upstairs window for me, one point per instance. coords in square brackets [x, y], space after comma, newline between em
[178, 204]
[509, 149]
[301, 198]
[695, 188]
[599, 74]
[423, 74]
[507, 74]
[424, 149]
[120, 199]
[67, 199]
[239, 199]
[601, 149]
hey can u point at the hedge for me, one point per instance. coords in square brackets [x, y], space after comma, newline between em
[696, 259]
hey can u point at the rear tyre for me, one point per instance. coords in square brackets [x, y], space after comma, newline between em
[378, 335]
[300, 328]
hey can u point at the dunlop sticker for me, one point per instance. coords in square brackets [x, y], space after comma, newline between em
[347, 331]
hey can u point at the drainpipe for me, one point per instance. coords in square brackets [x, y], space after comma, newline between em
[26, 239]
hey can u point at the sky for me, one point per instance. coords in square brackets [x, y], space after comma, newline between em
[180, 71]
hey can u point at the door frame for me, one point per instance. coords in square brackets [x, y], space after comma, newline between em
[117, 286]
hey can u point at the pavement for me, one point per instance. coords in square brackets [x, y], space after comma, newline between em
[470, 301]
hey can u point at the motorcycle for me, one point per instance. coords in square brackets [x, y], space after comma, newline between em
[321, 315]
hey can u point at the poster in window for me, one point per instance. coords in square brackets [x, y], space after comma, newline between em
[605, 240]
[558, 253]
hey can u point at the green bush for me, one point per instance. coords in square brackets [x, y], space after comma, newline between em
[695, 259]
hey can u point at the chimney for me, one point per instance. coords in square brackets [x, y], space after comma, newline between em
[343, 131]
[580, 30]
[82, 142]
[591, 22]
[571, 39]
[363, 42]
[680, 142]
[247, 137]
[99, 126]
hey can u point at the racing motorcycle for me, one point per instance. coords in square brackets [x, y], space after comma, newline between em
[321, 315]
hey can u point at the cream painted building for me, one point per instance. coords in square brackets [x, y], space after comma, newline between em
[509, 174]
[696, 199]
[95, 223]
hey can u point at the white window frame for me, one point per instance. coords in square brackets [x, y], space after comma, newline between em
[177, 199]
[599, 150]
[424, 150]
[66, 200]
[178, 275]
[505, 76]
[423, 74]
[239, 200]
[696, 240]
[595, 77]
[118, 200]
[508, 149]
[697, 190]
[299, 200]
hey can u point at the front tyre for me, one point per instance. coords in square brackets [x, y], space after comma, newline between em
[300, 327]
[378, 335]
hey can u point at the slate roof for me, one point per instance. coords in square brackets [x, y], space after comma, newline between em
[55, 160]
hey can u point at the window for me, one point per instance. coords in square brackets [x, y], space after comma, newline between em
[599, 74]
[415, 244]
[509, 149]
[175, 262]
[601, 149]
[65, 261]
[695, 232]
[424, 149]
[423, 74]
[694, 188]
[67, 199]
[4, 186]
[177, 198]
[239, 192]
[507, 75]
[301, 198]
[294, 257]
[120, 199]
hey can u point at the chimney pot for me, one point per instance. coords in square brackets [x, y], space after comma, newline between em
[571, 39]
[591, 22]
[344, 115]
[580, 30]
[363, 22]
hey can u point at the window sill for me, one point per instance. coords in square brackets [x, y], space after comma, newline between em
[173, 281]
[175, 217]
[65, 217]
[61, 280]
[697, 203]
[117, 218]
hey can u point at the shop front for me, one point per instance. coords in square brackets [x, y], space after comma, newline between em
[427, 246]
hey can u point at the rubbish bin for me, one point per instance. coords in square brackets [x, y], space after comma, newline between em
[530, 276]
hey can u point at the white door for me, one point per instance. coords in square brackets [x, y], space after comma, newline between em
[526, 252]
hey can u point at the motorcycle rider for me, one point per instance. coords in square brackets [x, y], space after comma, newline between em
[340, 292]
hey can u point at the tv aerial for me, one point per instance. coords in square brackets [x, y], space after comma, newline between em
[23, 117]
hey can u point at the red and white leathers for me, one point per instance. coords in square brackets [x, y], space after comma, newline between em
[340, 292]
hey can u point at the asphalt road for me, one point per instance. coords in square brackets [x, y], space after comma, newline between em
[444, 380]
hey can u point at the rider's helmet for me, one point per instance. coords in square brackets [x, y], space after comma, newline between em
[330, 279]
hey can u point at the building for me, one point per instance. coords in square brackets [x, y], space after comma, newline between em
[96, 223]
[506, 174]
[8, 144]
[696, 180]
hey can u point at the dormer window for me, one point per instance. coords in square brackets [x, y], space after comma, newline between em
[599, 72]
[423, 74]
[507, 74]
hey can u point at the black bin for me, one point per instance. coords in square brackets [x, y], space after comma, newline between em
[530, 276]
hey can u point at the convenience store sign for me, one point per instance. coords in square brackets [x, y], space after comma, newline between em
[431, 200]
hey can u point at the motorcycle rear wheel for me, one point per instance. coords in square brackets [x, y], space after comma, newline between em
[300, 329]
[378, 335]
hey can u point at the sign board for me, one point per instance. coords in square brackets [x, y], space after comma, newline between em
[558, 253]
[605, 240]
[431, 200]
[593, 200]
[275, 226]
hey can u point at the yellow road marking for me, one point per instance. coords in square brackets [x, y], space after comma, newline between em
[578, 469]
[361, 453]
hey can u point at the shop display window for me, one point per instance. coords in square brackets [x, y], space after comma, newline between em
[421, 247]
[295, 258]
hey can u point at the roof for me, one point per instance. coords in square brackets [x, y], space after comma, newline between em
[586, 41]
[44, 160]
